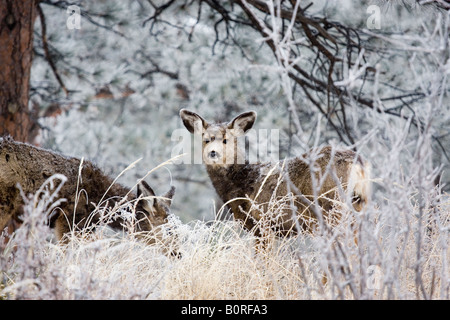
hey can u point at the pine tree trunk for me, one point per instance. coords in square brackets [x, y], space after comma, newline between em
[16, 49]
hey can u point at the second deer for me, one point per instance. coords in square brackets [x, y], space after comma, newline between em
[84, 194]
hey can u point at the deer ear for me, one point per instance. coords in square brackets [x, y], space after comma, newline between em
[192, 121]
[168, 196]
[242, 123]
[144, 190]
[170, 193]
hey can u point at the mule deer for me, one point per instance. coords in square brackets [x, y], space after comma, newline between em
[28, 167]
[247, 182]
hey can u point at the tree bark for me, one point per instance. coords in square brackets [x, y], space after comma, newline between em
[16, 50]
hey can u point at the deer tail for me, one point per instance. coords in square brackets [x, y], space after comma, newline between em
[360, 184]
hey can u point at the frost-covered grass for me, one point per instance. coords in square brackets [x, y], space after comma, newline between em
[371, 255]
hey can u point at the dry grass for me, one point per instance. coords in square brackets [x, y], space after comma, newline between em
[394, 249]
[218, 260]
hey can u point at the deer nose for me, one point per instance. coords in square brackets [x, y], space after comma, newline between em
[213, 154]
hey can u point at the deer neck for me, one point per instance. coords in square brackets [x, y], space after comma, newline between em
[235, 180]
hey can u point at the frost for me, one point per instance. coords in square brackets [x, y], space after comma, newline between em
[129, 78]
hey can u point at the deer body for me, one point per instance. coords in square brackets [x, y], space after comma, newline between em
[28, 166]
[292, 177]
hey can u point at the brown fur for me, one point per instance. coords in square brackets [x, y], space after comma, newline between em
[245, 180]
[29, 166]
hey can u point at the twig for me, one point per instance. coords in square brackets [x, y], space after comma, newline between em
[46, 51]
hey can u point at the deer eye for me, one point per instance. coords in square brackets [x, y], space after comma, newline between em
[225, 141]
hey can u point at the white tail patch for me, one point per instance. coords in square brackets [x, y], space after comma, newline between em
[359, 186]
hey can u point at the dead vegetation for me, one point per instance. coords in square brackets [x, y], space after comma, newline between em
[395, 257]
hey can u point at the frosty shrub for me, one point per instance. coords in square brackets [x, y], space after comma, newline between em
[402, 256]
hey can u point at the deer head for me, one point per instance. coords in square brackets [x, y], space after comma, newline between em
[219, 140]
[155, 208]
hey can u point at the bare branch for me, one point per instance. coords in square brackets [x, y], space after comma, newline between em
[46, 51]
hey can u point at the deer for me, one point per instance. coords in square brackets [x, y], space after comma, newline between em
[247, 188]
[85, 191]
